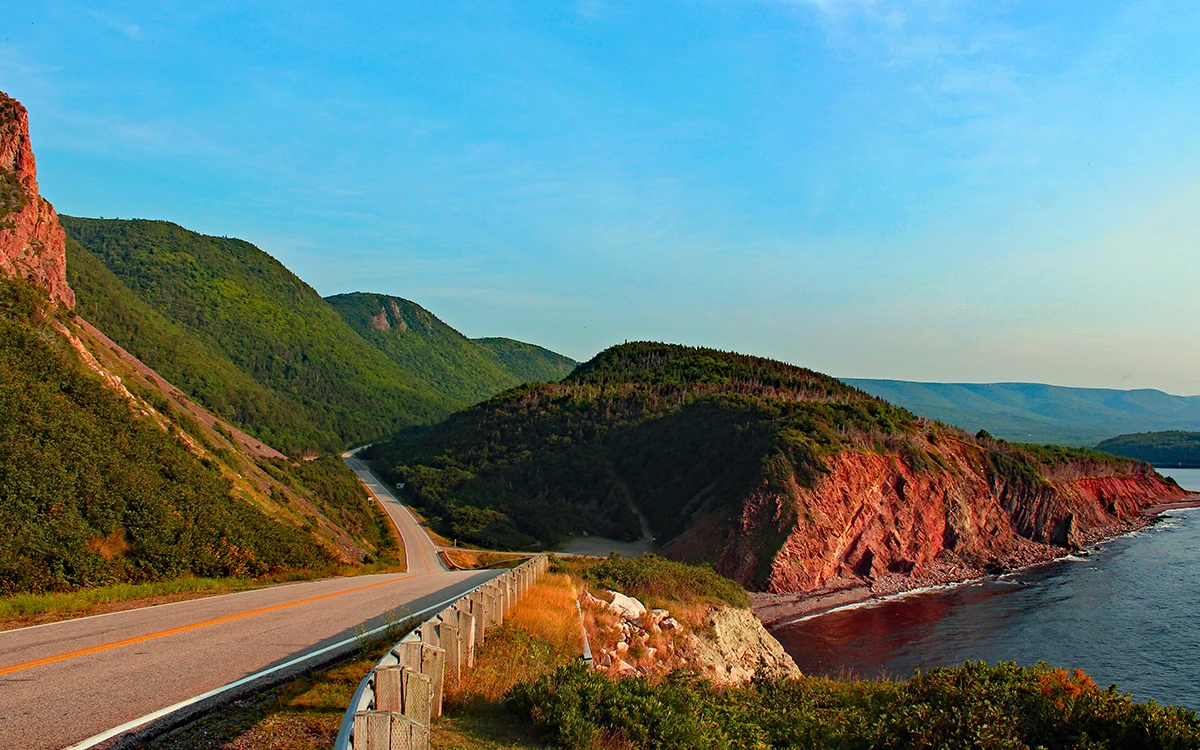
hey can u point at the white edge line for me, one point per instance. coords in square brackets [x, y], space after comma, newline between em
[115, 731]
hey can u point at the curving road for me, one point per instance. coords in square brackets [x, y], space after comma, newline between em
[65, 682]
[420, 553]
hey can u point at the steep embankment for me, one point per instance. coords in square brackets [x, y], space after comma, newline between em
[783, 478]
[431, 352]
[110, 473]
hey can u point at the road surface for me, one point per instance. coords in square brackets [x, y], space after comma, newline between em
[421, 554]
[64, 682]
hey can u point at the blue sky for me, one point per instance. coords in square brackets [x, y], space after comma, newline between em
[940, 190]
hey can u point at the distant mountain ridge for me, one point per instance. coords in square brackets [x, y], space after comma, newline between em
[463, 369]
[1038, 413]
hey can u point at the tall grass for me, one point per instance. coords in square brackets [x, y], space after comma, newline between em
[541, 635]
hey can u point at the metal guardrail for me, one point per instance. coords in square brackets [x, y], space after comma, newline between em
[394, 704]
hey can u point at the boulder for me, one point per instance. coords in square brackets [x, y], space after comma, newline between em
[626, 606]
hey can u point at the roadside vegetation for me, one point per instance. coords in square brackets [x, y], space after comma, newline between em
[92, 493]
[975, 705]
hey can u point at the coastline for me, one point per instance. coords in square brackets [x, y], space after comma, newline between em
[777, 610]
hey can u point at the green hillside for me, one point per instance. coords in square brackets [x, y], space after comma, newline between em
[171, 349]
[691, 428]
[529, 363]
[1031, 412]
[303, 377]
[687, 436]
[91, 492]
[1165, 449]
[435, 354]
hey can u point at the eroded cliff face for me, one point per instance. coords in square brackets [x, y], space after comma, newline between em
[875, 520]
[32, 242]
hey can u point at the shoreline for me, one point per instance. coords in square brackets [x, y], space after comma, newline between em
[778, 610]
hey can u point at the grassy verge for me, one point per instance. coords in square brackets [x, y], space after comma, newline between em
[541, 636]
[23, 610]
[303, 714]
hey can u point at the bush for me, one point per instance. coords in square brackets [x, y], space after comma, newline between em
[651, 577]
[975, 705]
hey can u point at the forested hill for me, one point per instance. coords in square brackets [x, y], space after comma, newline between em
[781, 476]
[1033, 412]
[104, 480]
[528, 363]
[437, 355]
[246, 338]
[1166, 449]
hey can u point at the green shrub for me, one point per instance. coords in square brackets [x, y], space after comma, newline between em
[972, 706]
[651, 577]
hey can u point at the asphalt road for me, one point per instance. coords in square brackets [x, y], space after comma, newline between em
[421, 554]
[64, 682]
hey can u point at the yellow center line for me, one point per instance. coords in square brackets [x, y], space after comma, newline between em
[181, 629]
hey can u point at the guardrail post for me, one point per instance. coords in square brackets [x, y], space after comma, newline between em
[417, 656]
[387, 689]
[451, 641]
[467, 630]
[417, 696]
[429, 633]
[372, 730]
[479, 610]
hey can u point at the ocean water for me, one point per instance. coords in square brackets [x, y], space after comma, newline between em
[1126, 612]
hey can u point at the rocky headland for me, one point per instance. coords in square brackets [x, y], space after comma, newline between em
[32, 242]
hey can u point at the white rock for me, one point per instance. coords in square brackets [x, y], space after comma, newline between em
[669, 623]
[658, 615]
[625, 669]
[626, 606]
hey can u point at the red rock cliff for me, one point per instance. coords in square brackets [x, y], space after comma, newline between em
[32, 242]
[875, 520]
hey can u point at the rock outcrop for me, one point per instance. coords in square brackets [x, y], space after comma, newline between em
[726, 645]
[32, 242]
[877, 521]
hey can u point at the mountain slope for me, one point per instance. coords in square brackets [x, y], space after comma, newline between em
[784, 478]
[1032, 412]
[330, 387]
[91, 493]
[528, 363]
[435, 354]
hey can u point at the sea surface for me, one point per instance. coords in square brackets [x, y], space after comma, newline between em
[1127, 611]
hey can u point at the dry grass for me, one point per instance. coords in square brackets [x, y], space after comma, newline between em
[542, 634]
[475, 558]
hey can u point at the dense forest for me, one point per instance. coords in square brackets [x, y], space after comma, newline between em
[676, 431]
[437, 355]
[92, 492]
[1166, 449]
